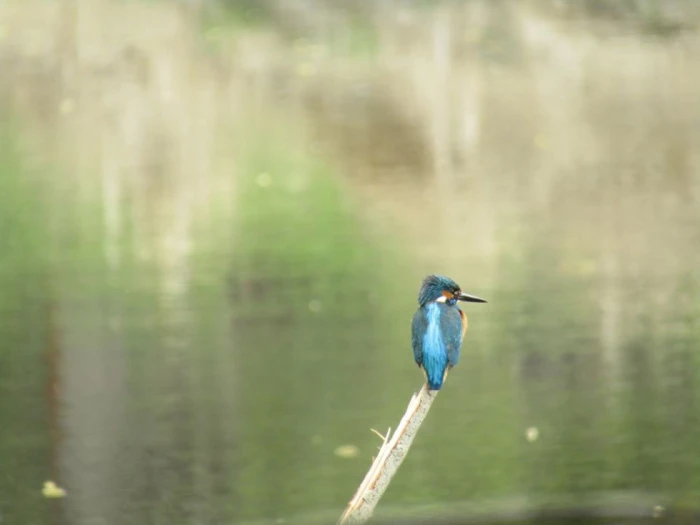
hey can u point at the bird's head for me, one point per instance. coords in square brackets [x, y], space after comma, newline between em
[436, 288]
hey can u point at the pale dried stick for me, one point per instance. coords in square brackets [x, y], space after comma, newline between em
[388, 460]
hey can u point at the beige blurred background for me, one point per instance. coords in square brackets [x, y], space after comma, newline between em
[216, 216]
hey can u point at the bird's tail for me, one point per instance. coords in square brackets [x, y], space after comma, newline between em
[434, 385]
[435, 377]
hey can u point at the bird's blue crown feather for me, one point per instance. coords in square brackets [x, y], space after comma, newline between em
[433, 287]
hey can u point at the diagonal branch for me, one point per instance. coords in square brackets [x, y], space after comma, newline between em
[388, 460]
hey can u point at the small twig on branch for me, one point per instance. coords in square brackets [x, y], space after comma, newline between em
[388, 460]
[382, 436]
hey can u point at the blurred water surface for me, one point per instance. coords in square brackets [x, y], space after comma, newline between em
[214, 223]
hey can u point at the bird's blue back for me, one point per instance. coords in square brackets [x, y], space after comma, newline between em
[437, 337]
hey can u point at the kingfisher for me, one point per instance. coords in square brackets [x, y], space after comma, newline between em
[438, 327]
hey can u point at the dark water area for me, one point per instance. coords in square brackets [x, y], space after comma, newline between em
[208, 265]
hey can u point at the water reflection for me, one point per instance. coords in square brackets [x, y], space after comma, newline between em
[213, 238]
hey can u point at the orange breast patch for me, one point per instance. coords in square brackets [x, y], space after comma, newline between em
[464, 322]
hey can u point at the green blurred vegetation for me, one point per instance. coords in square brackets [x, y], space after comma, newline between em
[659, 18]
[25, 303]
[241, 363]
[357, 38]
[305, 275]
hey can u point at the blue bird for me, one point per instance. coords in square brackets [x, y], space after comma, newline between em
[438, 327]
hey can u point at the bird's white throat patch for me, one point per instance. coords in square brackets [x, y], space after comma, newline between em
[441, 299]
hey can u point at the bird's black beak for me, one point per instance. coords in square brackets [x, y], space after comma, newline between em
[469, 298]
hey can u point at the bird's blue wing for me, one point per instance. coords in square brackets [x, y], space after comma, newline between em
[418, 329]
[452, 333]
